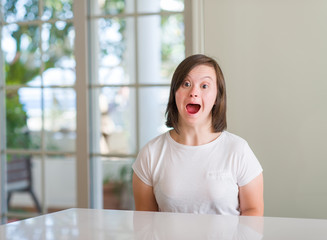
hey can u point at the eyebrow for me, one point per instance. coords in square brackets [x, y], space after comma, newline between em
[188, 77]
[207, 77]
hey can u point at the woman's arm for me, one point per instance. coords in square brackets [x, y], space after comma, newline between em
[251, 197]
[143, 196]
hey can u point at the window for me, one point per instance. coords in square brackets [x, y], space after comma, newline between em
[135, 47]
[38, 110]
[82, 88]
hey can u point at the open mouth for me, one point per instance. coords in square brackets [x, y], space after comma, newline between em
[193, 108]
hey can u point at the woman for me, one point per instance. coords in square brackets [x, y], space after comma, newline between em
[198, 167]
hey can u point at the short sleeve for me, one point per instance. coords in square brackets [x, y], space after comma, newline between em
[248, 166]
[141, 166]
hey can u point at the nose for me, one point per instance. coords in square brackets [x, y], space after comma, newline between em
[194, 92]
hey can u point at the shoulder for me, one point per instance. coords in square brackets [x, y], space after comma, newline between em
[155, 144]
[147, 157]
[233, 137]
[157, 141]
[233, 141]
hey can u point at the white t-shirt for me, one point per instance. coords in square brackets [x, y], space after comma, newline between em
[197, 179]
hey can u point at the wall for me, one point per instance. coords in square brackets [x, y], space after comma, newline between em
[274, 55]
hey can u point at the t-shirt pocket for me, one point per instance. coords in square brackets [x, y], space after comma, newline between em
[220, 184]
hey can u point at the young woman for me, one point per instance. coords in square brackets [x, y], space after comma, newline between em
[198, 167]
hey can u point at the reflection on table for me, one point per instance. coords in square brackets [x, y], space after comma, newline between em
[189, 226]
[116, 224]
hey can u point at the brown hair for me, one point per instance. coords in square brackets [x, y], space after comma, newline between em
[218, 111]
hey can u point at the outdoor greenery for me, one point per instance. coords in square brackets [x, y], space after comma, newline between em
[26, 63]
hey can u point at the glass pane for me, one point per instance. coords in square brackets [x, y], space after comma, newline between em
[23, 118]
[20, 45]
[172, 5]
[117, 183]
[31, 101]
[146, 6]
[60, 9]
[20, 10]
[153, 102]
[60, 182]
[111, 7]
[161, 42]
[113, 121]
[24, 184]
[172, 44]
[60, 119]
[59, 62]
[116, 53]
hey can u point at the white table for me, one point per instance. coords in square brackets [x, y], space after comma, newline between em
[115, 224]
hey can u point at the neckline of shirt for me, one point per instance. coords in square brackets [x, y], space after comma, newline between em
[206, 145]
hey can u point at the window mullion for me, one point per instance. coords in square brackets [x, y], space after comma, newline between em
[81, 87]
[3, 173]
[43, 145]
[137, 117]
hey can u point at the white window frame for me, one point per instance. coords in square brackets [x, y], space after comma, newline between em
[3, 204]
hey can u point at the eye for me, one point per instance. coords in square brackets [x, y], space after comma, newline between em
[186, 84]
[205, 86]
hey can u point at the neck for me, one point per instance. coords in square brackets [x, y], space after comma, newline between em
[194, 136]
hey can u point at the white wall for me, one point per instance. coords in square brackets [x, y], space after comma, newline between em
[274, 56]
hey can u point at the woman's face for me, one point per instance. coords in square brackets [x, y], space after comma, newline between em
[196, 96]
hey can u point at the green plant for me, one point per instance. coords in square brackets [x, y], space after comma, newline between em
[123, 181]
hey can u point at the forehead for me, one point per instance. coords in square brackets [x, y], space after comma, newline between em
[202, 71]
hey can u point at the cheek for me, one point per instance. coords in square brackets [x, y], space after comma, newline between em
[211, 98]
[178, 98]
